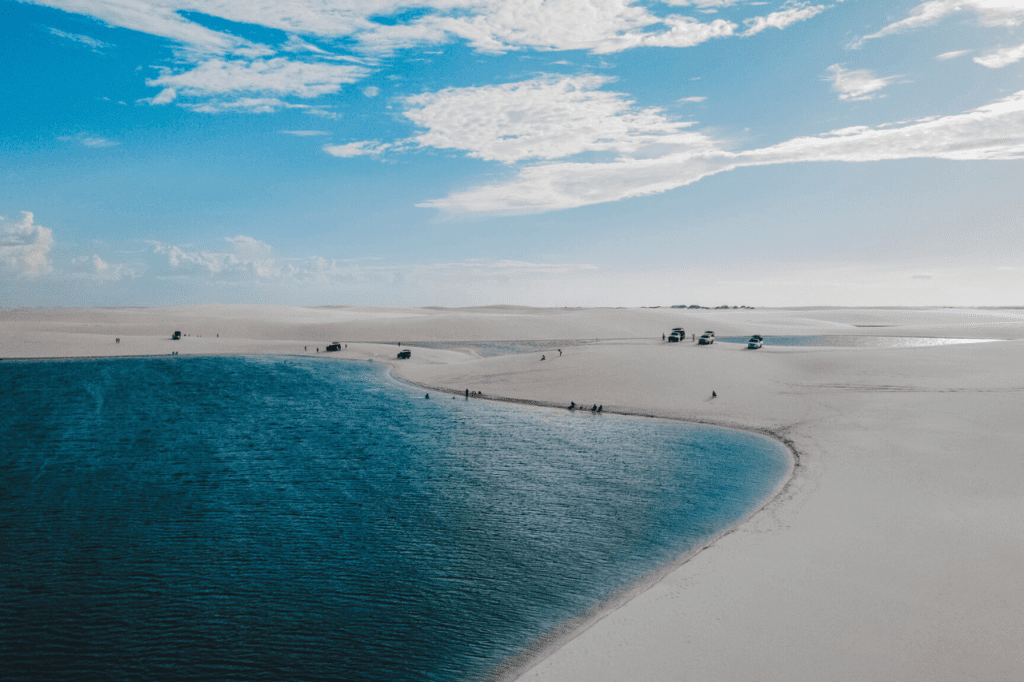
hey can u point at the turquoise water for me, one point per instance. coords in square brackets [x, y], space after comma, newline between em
[307, 519]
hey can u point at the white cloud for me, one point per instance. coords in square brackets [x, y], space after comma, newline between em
[488, 25]
[252, 105]
[371, 91]
[990, 13]
[355, 149]
[155, 17]
[99, 270]
[952, 55]
[692, 99]
[1001, 58]
[95, 45]
[247, 255]
[165, 96]
[253, 259]
[856, 85]
[296, 44]
[24, 246]
[225, 64]
[991, 132]
[279, 76]
[701, 3]
[93, 141]
[544, 118]
[781, 19]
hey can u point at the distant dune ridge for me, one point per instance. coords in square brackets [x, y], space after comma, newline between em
[894, 551]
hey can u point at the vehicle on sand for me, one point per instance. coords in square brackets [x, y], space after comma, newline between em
[755, 342]
[404, 354]
[333, 346]
[706, 340]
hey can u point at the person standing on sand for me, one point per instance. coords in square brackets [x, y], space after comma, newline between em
[542, 357]
[713, 394]
[467, 394]
[559, 352]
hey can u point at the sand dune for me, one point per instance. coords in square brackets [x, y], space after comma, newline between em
[895, 552]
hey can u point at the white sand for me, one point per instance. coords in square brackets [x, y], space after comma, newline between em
[896, 552]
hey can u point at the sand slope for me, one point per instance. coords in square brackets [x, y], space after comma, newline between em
[894, 553]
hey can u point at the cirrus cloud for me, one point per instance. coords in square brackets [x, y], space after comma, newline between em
[991, 132]
[991, 13]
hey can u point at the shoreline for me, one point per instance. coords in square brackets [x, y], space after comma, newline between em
[890, 551]
[549, 645]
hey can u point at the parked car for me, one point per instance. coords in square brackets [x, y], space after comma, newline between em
[333, 346]
[176, 336]
[706, 340]
[709, 333]
[675, 337]
[755, 341]
[404, 354]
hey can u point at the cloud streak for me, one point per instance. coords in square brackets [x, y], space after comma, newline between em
[991, 132]
[990, 13]
[278, 76]
[854, 86]
[1000, 58]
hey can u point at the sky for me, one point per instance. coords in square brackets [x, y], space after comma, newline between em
[528, 152]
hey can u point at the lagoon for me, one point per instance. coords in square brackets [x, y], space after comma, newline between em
[243, 518]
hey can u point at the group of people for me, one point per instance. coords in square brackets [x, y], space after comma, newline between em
[595, 409]
[542, 357]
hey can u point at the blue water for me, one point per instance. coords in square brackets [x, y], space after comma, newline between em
[303, 519]
[853, 341]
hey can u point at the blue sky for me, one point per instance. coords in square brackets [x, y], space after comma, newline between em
[464, 152]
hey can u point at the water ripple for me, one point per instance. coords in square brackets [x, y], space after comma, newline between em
[253, 519]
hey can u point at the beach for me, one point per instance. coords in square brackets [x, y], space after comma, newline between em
[893, 551]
